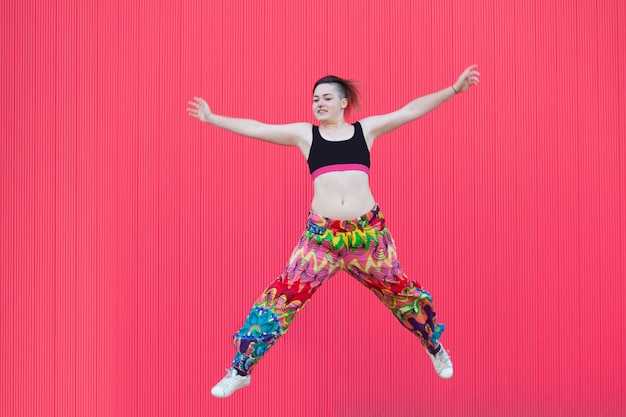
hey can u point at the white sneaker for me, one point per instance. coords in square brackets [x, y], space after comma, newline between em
[230, 383]
[442, 363]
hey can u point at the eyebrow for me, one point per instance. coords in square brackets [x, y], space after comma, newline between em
[323, 95]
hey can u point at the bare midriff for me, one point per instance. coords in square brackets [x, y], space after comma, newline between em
[342, 195]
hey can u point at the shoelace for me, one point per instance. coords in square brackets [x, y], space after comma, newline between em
[442, 360]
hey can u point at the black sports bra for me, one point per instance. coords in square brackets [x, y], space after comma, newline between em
[329, 156]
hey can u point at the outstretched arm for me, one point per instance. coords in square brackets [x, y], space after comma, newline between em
[379, 125]
[287, 134]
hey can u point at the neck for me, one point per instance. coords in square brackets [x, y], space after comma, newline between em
[334, 125]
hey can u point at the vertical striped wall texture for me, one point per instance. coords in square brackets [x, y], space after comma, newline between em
[134, 239]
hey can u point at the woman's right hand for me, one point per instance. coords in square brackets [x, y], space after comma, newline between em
[199, 109]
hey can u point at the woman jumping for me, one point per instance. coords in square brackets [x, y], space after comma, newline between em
[345, 229]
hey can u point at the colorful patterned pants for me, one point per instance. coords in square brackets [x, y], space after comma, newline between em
[362, 247]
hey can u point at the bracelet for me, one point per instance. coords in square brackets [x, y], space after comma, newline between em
[454, 89]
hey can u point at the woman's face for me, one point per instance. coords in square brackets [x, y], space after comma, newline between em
[327, 104]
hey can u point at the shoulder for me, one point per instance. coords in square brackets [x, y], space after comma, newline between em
[291, 134]
[308, 127]
[300, 131]
[368, 123]
[301, 126]
[303, 133]
[365, 128]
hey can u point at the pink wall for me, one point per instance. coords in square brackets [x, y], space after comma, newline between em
[123, 221]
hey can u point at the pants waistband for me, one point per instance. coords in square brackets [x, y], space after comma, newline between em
[373, 218]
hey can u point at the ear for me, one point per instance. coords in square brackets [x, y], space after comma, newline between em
[344, 103]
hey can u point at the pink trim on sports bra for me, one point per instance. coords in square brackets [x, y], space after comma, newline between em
[339, 167]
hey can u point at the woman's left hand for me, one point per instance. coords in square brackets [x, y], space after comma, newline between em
[467, 79]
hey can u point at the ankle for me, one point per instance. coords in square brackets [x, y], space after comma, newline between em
[434, 350]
